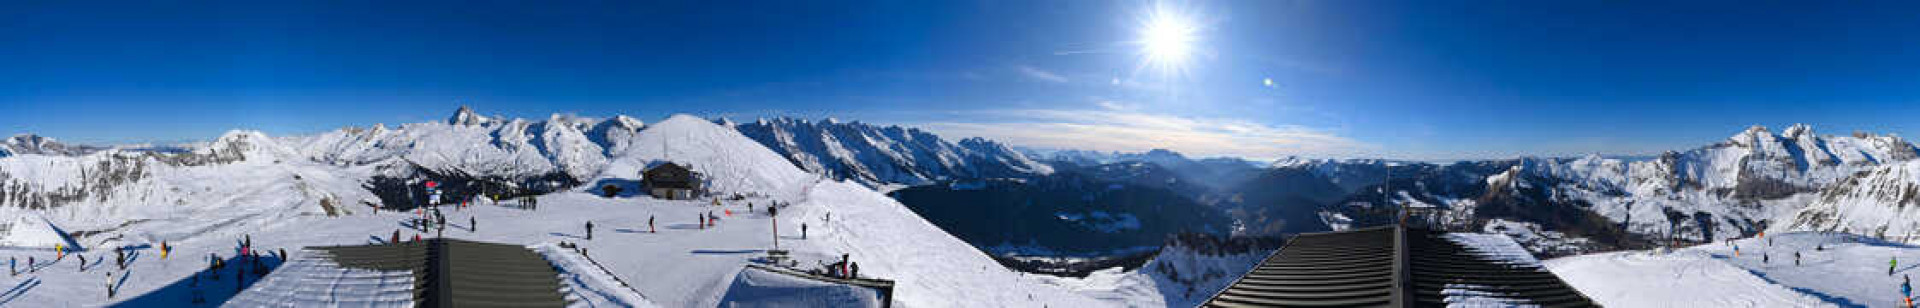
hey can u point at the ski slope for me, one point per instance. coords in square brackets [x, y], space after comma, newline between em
[1850, 272]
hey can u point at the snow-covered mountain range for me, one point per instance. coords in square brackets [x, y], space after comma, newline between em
[36, 144]
[1754, 181]
[317, 191]
[876, 155]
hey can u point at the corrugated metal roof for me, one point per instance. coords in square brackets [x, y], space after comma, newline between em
[460, 273]
[1389, 267]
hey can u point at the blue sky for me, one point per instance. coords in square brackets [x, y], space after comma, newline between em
[1413, 79]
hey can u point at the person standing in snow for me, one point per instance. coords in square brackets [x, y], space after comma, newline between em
[165, 250]
[110, 285]
[589, 230]
[473, 224]
[1796, 258]
[13, 266]
[1906, 290]
[30, 267]
[120, 257]
[853, 270]
[1736, 250]
[803, 230]
[650, 223]
[703, 220]
[1764, 258]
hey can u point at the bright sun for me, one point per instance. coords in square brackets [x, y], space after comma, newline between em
[1167, 38]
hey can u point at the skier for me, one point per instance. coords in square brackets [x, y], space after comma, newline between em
[473, 224]
[1906, 290]
[803, 230]
[165, 250]
[83, 264]
[13, 266]
[1736, 251]
[749, 207]
[110, 285]
[853, 270]
[589, 230]
[30, 266]
[1796, 258]
[703, 221]
[120, 258]
[1764, 258]
[213, 266]
[59, 252]
[650, 223]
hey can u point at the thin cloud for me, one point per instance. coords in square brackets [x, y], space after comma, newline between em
[1112, 105]
[1041, 75]
[1113, 130]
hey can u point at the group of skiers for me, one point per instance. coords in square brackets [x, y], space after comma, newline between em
[846, 268]
[1893, 265]
[1765, 257]
[252, 262]
[123, 259]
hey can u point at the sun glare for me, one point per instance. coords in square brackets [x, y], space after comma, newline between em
[1167, 38]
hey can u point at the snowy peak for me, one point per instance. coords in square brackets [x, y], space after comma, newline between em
[1798, 131]
[727, 161]
[1754, 136]
[240, 145]
[34, 144]
[1879, 201]
[466, 117]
